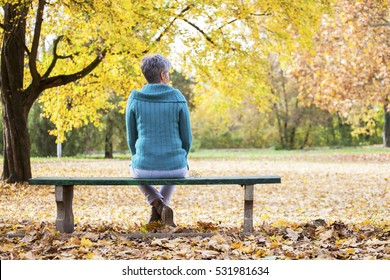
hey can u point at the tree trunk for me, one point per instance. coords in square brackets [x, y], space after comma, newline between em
[306, 137]
[280, 128]
[108, 149]
[16, 100]
[16, 165]
[291, 141]
[386, 128]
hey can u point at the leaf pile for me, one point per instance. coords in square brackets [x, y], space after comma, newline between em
[324, 209]
[290, 241]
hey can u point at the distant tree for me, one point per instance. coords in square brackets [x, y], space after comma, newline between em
[348, 71]
[42, 144]
[114, 129]
[185, 85]
[290, 115]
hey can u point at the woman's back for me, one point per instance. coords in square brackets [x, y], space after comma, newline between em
[159, 132]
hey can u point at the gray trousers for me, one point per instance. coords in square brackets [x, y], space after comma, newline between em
[166, 191]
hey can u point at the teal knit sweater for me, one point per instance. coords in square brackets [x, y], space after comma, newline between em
[158, 128]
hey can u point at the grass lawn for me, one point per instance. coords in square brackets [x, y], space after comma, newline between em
[242, 153]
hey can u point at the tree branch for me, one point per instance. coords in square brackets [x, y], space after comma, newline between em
[266, 13]
[226, 24]
[158, 39]
[32, 92]
[55, 57]
[380, 24]
[208, 38]
[165, 30]
[35, 43]
[173, 21]
[384, 22]
[61, 80]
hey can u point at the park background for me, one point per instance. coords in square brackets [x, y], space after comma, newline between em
[294, 88]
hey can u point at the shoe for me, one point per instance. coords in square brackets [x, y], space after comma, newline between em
[154, 217]
[166, 213]
[167, 216]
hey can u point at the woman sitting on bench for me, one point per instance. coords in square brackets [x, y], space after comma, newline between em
[158, 134]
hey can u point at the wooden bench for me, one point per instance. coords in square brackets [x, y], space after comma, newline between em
[64, 191]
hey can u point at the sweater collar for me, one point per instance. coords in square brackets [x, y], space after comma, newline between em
[158, 93]
[156, 88]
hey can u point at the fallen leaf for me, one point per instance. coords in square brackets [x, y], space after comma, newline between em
[85, 242]
[236, 245]
[27, 256]
[292, 234]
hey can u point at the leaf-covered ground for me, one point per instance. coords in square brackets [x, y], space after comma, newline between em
[329, 206]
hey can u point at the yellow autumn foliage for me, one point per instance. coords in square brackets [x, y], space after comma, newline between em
[224, 45]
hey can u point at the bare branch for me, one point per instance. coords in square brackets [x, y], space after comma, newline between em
[35, 43]
[208, 38]
[67, 56]
[182, 12]
[385, 22]
[165, 30]
[381, 24]
[226, 24]
[173, 21]
[266, 13]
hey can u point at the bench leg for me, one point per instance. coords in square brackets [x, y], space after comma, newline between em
[248, 208]
[64, 200]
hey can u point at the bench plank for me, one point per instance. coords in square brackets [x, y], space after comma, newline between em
[110, 181]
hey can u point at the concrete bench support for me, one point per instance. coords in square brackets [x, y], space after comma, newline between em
[248, 208]
[64, 200]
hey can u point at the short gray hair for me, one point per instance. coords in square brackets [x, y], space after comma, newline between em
[153, 65]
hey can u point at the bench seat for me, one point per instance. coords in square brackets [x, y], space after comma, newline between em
[64, 191]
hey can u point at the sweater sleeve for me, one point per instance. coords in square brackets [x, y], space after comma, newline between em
[185, 128]
[131, 127]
